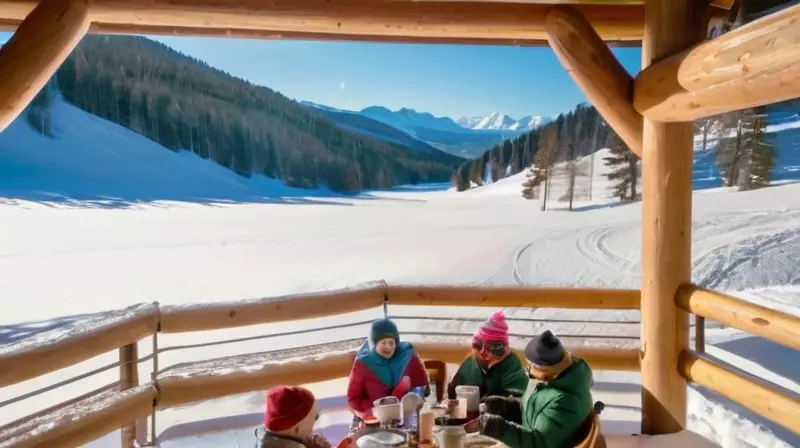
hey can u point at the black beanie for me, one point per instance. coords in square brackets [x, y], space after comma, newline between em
[544, 350]
[383, 328]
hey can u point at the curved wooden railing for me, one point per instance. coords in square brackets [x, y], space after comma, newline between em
[124, 404]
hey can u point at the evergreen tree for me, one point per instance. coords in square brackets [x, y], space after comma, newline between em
[761, 153]
[624, 175]
[545, 158]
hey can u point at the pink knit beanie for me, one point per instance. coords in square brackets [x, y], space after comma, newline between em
[493, 329]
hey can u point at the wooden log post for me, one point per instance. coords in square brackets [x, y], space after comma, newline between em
[598, 73]
[129, 379]
[671, 26]
[33, 54]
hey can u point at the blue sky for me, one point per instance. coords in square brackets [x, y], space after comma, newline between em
[441, 79]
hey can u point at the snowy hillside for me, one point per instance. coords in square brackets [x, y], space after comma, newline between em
[92, 162]
[89, 223]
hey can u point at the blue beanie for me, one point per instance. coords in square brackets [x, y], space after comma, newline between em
[383, 328]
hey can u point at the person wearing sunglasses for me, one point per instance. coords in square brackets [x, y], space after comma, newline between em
[384, 366]
[491, 366]
[289, 419]
[554, 412]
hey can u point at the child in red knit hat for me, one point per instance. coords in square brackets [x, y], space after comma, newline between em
[289, 419]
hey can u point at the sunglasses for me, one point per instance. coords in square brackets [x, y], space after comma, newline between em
[495, 348]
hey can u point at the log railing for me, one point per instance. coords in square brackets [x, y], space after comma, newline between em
[127, 403]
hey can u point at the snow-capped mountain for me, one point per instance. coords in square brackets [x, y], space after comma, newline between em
[497, 121]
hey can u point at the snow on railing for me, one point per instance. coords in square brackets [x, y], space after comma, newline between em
[92, 416]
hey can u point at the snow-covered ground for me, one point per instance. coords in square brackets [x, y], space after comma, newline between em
[101, 218]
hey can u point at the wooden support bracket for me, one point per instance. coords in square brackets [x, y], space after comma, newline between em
[596, 70]
[754, 65]
[33, 54]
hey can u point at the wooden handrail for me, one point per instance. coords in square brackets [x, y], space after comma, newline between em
[777, 406]
[219, 315]
[82, 421]
[755, 319]
[247, 373]
[23, 361]
[515, 296]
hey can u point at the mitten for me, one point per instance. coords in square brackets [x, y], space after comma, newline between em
[492, 426]
[510, 408]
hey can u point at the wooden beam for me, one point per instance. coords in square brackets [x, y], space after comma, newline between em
[780, 407]
[754, 65]
[115, 29]
[670, 27]
[514, 296]
[596, 70]
[46, 36]
[375, 18]
[770, 324]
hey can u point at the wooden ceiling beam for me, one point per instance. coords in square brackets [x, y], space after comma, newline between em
[754, 65]
[409, 21]
[33, 54]
[113, 29]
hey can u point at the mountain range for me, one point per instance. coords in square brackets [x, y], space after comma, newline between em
[463, 137]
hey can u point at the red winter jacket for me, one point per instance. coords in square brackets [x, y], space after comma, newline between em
[375, 377]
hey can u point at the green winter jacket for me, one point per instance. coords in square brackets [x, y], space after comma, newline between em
[552, 414]
[508, 377]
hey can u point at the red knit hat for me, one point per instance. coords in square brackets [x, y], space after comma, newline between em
[286, 407]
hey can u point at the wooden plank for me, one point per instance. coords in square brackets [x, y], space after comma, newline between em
[754, 65]
[515, 296]
[592, 65]
[771, 324]
[670, 27]
[46, 36]
[780, 407]
[374, 18]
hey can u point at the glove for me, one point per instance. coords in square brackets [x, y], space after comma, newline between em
[510, 408]
[403, 387]
[492, 426]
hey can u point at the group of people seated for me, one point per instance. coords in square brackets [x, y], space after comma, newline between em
[549, 414]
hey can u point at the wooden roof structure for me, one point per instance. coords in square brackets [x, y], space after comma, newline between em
[684, 77]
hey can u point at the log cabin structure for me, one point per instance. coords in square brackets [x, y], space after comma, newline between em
[684, 77]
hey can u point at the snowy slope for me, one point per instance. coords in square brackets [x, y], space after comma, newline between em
[101, 164]
[68, 254]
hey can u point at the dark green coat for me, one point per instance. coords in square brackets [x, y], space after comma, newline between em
[508, 377]
[552, 414]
